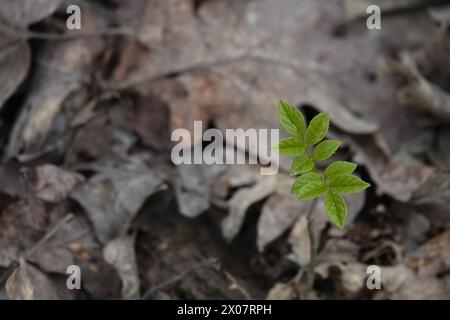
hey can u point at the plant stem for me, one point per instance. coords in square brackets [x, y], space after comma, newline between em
[309, 280]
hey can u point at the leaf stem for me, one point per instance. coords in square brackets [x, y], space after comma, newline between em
[309, 280]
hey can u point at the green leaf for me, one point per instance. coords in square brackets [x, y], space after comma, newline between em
[336, 209]
[325, 149]
[302, 164]
[304, 179]
[347, 184]
[312, 189]
[318, 128]
[290, 147]
[339, 168]
[291, 119]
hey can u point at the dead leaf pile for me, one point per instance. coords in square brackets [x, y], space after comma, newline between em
[86, 120]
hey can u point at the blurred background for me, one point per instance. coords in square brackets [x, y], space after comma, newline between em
[86, 177]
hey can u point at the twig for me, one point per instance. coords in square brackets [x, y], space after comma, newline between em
[127, 84]
[309, 280]
[26, 34]
[211, 263]
[48, 235]
[300, 68]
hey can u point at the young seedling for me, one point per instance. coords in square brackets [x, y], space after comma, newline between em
[308, 146]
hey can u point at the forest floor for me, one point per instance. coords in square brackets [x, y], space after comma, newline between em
[86, 176]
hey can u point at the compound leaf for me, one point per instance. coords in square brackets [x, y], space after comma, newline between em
[336, 209]
[347, 184]
[304, 179]
[291, 147]
[312, 189]
[325, 149]
[301, 164]
[318, 128]
[339, 168]
[291, 119]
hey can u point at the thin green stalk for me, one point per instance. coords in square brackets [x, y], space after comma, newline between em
[309, 279]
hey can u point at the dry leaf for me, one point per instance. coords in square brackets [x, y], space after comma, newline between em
[433, 257]
[422, 288]
[24, 12]
[234, 81]
[120, 254]
[281, 291]
[193, 186]
[279, 213]
[54, 184]
[241, 202]
[113, 197]
[21, 225]
[52, 259]
[15, 60]
[29, 283]
[41, 126]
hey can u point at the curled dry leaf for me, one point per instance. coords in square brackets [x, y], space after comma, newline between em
[193, 185]
[198, 186]
[29, 283]
[241, 202]
[299, 240]
[419, 92]
[234, 177]
[120, 254]
[15, 54]
[279, 213]
[113, 197]
[41, 125]
[397, 177]
[54, 184]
